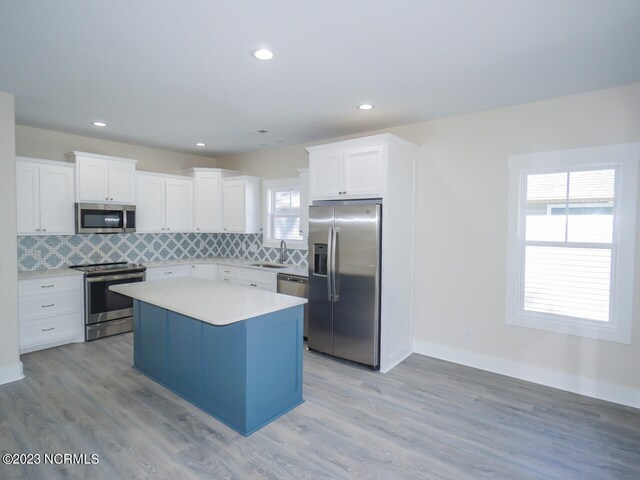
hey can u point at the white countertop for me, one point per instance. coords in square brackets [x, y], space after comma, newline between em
[52, 272]
[231, 262]
[217, 303]
[301, 270]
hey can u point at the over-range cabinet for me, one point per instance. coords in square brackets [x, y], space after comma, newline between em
[344, 279]
[361, 229]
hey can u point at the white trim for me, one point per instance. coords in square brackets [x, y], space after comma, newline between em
[624, 158]
[570, 383]
[387, 362]
[71, 156]
[11, 373]
[267, 185]
[43, 161]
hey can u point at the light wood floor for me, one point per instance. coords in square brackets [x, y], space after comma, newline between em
[427, 419]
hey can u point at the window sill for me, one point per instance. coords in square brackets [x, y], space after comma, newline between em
[290, 245]
[567, 326]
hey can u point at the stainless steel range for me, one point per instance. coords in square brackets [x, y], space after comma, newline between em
[108, 313]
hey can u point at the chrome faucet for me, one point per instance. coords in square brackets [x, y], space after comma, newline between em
[283, 250]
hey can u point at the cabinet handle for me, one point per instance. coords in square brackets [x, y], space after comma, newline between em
[254, 285]
[48, 329]
[47, 286]
[226, 279]
[47, 306]
[168, 273]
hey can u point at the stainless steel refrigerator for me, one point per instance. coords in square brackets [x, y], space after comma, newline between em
[344, 279]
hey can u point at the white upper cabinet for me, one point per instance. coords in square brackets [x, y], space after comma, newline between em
[208, 198]
[103, 179]
[304, 203]
[178, 203]
[149, 203]
[241, 205]
[164, 203]
[45, 197]
[350, 169]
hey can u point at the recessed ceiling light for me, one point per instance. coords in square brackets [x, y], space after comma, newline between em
[200, 144]
[365, 106]
[98, 124]
[263, 54]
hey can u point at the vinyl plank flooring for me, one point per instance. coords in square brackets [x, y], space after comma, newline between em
[427, 419]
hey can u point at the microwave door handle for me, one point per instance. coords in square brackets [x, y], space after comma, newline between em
[329, 253]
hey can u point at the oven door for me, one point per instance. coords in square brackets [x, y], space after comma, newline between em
[100, 218]
[102, 304]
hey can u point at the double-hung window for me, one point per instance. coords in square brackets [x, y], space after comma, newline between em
[282, 213]
[571, 241]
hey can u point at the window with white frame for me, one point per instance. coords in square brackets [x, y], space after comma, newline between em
[572, 221]
[282, 213]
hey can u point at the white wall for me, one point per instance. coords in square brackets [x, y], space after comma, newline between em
[10, 365]
[461, 230]
[39, 143]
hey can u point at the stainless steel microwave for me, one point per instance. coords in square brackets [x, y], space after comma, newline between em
[105, 218]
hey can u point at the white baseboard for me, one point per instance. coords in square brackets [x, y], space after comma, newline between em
[571, 383]
[11, 373]
[395, 359]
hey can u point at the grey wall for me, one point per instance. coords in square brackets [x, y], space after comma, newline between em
[39, 143]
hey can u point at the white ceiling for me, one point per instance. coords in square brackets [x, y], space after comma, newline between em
[169, 73]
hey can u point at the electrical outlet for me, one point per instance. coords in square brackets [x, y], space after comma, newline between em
[253, 248]
[467, 334]
[37, 254]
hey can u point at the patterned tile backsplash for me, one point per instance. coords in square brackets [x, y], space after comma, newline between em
[56, 251]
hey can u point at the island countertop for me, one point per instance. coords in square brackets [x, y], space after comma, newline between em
[217, 303]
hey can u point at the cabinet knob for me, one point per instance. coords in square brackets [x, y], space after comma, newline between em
[197, 228]
[168, 228]
[111, 199]
[44, 229]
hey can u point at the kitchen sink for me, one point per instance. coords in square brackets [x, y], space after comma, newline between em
[268, 265]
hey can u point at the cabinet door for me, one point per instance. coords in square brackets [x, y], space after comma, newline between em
[149, 203]
[304, 206]
[178, 205]
[56, 200]
[207, 207]
[325, 175]
[122, 182]
[93, 180]
[363, 172]
[206, 272]
[28, 198]
[234, 217]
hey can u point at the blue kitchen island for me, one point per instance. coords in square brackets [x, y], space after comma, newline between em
[233, 351]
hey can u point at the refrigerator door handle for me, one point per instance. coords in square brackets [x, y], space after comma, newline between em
[334, 267]
[329, 260]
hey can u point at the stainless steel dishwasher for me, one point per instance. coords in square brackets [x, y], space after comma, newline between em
[296, 286]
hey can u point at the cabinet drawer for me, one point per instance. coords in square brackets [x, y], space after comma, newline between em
[50, 329]
[159, 273]
[227, 272]
[37, 306]
[39, 286]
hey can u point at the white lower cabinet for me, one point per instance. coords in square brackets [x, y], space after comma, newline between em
[206, 272]
[51, 312]
[223, 273]
[159, 273]
[249, 277]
